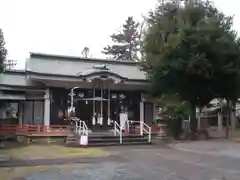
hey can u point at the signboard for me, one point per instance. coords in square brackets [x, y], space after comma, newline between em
[83, 140]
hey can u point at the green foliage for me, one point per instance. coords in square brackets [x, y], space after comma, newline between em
[173, 107]
[174, 111]
[192, 51]
[174, 127]
[4, 63]
[3, 51]
[126, 43]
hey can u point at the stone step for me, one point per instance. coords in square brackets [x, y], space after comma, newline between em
[110, 144]
[106, 137]
[109, 140]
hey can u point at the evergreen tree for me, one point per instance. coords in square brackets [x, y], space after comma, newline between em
[85, 52]
[192, 51]
[126, 43]
[3, 51]
[10, 63]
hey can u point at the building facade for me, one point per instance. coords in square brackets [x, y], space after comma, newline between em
[103, 91]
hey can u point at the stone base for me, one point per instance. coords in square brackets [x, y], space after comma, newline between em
[160, 140]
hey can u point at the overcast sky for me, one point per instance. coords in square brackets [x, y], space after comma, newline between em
[66, 26]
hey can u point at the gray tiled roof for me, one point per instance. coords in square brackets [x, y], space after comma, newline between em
[16, 78]
[75, 66]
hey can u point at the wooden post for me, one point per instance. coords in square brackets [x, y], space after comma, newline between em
[109, 118]
[93, 116]
[101, 113]
[233, 118]
[126, 129]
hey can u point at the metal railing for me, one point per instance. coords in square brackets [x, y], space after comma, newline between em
[81, 128]
[144, 128]
[118, 129]
[147, 129]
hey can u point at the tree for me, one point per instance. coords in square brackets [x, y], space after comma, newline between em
[173, 112]
[192, 51]
[9, 64]
[126, 43]
[85, 52]
[5, 63]
[3, 51]
[173, 107]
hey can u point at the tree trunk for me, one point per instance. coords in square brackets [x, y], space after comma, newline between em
[193, 122]
[228, 118]
[233, 117]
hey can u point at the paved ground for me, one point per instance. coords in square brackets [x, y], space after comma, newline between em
[155, 163]
[214, 147]
[14, 163]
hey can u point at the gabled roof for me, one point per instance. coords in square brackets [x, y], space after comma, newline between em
[70, 66]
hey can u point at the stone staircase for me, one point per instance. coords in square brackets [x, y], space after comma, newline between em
[107, 140]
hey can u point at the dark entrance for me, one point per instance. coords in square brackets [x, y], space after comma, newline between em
[84, 111]
[98, 126]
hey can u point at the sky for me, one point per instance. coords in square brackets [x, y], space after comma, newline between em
[66, 26]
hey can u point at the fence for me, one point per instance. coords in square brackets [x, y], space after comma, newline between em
[33, 129]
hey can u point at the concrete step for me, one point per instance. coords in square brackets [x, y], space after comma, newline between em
[118, 144]
[109, 140]
[110, 144]
[116, 140]
[107, 137]
[102, 138]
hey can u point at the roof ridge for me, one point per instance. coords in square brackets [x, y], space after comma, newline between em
[78, 58]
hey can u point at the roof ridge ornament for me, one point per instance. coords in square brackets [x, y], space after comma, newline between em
[100, 66]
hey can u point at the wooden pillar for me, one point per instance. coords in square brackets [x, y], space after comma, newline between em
[93, 115]
[154, 112]
[21, 113]
[220, 122]
[142, 108]
[47, 107]
[101, 113]
[233, 118]
[109, 118]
